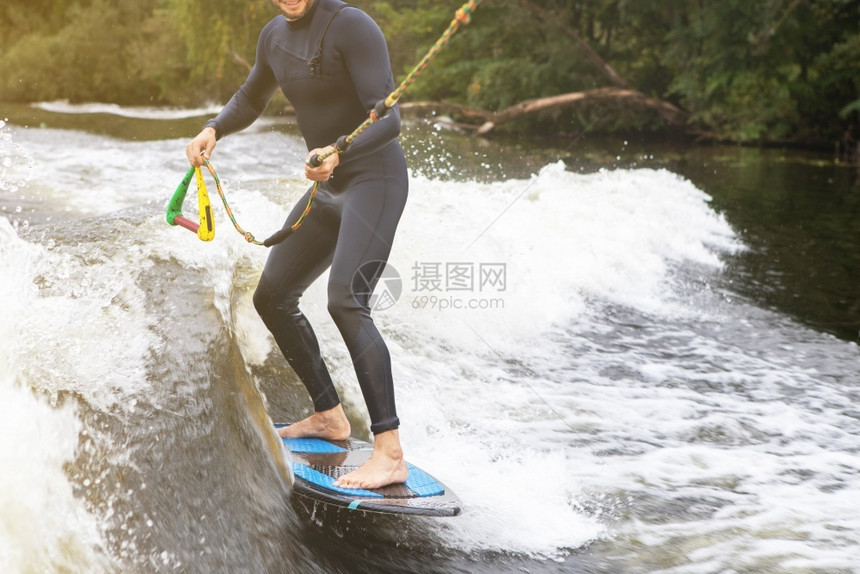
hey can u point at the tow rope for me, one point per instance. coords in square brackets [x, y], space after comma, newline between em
[206, 229]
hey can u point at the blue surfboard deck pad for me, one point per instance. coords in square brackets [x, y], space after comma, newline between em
[318, 463]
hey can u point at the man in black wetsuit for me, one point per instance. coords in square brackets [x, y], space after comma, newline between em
[331, 61]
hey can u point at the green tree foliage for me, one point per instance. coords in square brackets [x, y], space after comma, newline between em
[70, 50]
[753, 70]
[748, 71]
[506, 55]
[828, 59]
[127, 51]
[219, 38]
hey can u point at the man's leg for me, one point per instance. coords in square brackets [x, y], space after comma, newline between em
[369, 220]
[290, 268]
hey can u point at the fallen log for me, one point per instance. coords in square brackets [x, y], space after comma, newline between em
[670, 113]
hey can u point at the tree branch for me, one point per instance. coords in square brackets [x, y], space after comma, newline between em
[765, 35]
[238, 59]
[589, 52]
[670, 113]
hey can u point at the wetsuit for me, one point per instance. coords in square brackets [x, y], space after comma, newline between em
[332, 80]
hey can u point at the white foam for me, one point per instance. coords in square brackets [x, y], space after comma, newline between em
[563, 239]
[83, 311]
[141, 112]
[43, 526]
[779, 475]
[16, 164]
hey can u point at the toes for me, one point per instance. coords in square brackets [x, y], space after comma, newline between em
[345, 482]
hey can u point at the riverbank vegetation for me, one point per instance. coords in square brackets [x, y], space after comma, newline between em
[783, 71]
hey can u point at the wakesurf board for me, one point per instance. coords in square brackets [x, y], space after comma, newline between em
[318, 463]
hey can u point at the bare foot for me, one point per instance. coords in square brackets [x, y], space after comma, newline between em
[331, 424]
[386, 465]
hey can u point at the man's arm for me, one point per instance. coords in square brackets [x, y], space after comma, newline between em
[247, 104]
[365, 53]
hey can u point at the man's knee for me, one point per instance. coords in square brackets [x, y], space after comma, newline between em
[343, 306]
[268, 300]
[262, 298]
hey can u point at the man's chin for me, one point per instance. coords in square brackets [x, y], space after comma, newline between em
[293, 10]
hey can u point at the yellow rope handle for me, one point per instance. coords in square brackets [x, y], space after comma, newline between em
[206, 231]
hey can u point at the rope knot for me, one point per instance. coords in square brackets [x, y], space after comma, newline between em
[464, 13]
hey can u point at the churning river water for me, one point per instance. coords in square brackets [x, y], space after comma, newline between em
[627, 358]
